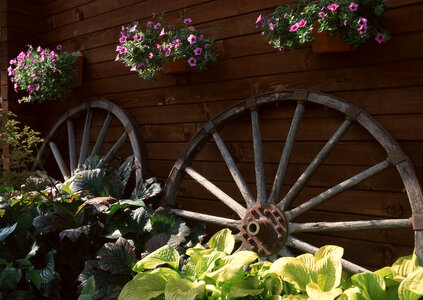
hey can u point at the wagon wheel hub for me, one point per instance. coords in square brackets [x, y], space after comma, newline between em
[264, 229]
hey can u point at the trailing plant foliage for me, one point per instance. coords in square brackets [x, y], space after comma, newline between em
[43, 73]
[213, 271]
[354, 21]
[22, 142]
[146, 49]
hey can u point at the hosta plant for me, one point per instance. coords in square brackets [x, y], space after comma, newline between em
[147, 48]
[354, 21]
[43, 74]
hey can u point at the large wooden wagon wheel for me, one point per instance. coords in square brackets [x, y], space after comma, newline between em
[266, 223]
[92, 110]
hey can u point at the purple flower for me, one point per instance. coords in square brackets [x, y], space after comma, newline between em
[167, 53]
[122, 28]
[324, 9]
[37, 87]
[38, 49]
[201, 37]
[362, 21]
[54, 70]
[379, 38]
[137, 37]
[345, 22]
[12, 61]
[26, 67]
[9, 69]
[134, 68]
[187, 21]
[123, 50]
[302, 23]
[353, 6]
[321, 14]
[206, 46]
[30, 87]
[19, 101]
[293, 27]
[259, 19]
[117, 57]
[333, 6]
[40, 72]
[34, 60]
[271, 27]
[133, 28]
[59, 47]
[197, 51]
[157, 26]
[52, 55]
[153, 14]
[151, 55]
[158, 47]
[42, 58]
[362, 29]
[15, 86]
[192, 39]
[122, 39]
[150, 24]
[33, 74]
[192, 61]
[162, 32]
[142, 65]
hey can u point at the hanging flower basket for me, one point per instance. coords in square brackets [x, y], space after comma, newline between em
[323, 44]
[177, 66]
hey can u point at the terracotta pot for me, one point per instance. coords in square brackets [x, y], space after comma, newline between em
[79, 63]
[323, 44]
[177, 66]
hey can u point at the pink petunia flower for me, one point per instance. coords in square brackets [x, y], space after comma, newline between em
[379, 38]
[353, 6]
[197, 51]
[157, 26]
[362, 21]
[162, 32]
[117, 57]
[59, 47]
[134, 68]
[19, 101]
[151, 55]
[37, 87]
[187, 21]
[259, 19]
[54, 70]
[34, 60]
[192, 39]
[137, 37]
[123, 50]
[333, 6]
[302, 23]
[271, 26]
[321, 14]
[206, 46]
[133, 28]
[150, 24]
[122, 39]
[30, 87]
[40, 72]
[192, 61]
[362, 29]
[201, 37]
[167, 52]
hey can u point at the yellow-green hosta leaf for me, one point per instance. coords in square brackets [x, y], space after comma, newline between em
[244, 288]
[223, 240]
[165, 273]
[297, 297]
[207, 262]
[386, 272]
[164, 255]
[406, 265]
[352, 294]
[327, 273]
[293, 271]
[371, 285]
[182, 289]
[329, 250]
[273, 283]
[307, 259]
[412, 286]
[143, 287]
[316, 293]
[233, 265]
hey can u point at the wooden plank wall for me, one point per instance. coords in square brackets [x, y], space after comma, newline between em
[385, 81]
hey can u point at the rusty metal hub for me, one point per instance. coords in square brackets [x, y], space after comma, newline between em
[264, 229]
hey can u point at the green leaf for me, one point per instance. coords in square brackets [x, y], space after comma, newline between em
[144, 286]
[35, 277]
[353, 293]
[47, 274]
[273, 284]
[88, 291]
[232, 265]
[223, 240]
[406, 265]
[164, 255]
[207, 262]
[147, 189]
[117, 258]
[316, 293]
[328, 272]
[6, 231]
[412, 286]
[335, 252]
[182, 289]
[372, 285]
[244, 288]
[293, 271]
[9, 278]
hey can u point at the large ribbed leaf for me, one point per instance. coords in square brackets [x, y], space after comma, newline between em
[406, 265]
[117, 258]
[316, 293]
[232, 266]
[223, 240]
[246, 287]
[293, 271]
[147, 189]
[372, 285]
[164, 255]
[47, 274]
[412, 287]
[6, 231]
[143, 287]
[182, 289]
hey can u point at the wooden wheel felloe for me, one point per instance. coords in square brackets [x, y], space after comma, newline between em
[92, 109]
[267, 223]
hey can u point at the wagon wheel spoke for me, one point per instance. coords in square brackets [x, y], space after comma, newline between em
[221, 195]
[85, 138]
[102, 134]
[59, 160]
[112, 152]
[306, 247]
[258, 158]
[206, 218]
[233, 169]
[315, 164]
[349, 225]
[285, 252]
[72, 147]
[286, 154]
[337, 189]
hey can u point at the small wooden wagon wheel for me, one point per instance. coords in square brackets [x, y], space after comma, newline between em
[67, 123]
[266, 223]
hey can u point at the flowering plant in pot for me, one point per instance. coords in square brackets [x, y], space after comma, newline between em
[355, 22]
[45, 74]
[148, 49]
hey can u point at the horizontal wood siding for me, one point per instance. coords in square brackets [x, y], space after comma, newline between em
[384, 80]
